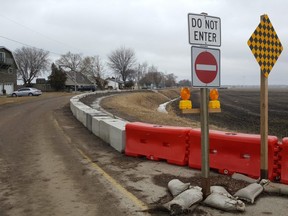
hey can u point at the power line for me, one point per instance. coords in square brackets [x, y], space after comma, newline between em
[30, 29]
[27, 44]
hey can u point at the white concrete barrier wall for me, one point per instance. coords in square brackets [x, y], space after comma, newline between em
[76, 108]
[85, 112]
[81, 113]
[104, 127]
[73, 105]
[89, 118]
[96, 123]
[112, 131]
[109, 129]
[72, 108]
[117, 135]
[82, 116]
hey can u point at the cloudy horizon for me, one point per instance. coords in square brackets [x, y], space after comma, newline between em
[157, 30]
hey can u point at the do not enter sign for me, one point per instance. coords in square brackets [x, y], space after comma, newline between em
[205, 67]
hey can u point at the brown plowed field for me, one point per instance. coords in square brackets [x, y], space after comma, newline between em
[240, 109]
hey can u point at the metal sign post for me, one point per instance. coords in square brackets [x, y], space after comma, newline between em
[205, 165]
[205, 31]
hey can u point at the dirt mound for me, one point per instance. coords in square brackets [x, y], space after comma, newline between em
[142, 106]
[240, 109]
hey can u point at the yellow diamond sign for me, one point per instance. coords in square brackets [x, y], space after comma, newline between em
[265, 45]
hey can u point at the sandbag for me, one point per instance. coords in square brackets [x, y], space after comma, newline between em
[176, 187]
[224, 202]
[249, 193]
[238, 176]
[219, 189]
[185, 200]
[275, 188]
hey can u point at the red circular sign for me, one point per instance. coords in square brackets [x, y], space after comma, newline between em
[206, 67]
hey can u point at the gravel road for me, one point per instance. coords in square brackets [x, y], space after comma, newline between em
[41, 170]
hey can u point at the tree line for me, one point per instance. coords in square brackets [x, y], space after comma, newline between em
[122, 62]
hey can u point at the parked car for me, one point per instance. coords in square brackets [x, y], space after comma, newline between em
[26, 92]
[87, 88]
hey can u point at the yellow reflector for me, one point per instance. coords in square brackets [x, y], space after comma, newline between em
[214, 104]
[214, 95]
[185, 93]
[185, 104]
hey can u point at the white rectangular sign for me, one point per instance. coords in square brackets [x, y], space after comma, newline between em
[204, 30]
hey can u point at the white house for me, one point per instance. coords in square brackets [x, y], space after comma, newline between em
[113, 83]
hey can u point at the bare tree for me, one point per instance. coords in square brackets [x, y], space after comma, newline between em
[170, 80]
[152, 68]
[140, 70]
[70, 62]
[146, 80]
[32, 62]
[155, 76]
[94, 69]
[121, 61]
[184, 82]
[92, 66]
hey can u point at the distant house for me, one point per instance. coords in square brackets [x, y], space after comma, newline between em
[113, 83]
[79, 80]
[8, 71]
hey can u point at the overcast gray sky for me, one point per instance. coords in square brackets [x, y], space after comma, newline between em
[157, 30]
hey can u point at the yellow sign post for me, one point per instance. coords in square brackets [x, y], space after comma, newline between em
[266, 47]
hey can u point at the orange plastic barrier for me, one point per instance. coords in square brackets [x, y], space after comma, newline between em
[157, 142]
[234, 152]
[284, 161]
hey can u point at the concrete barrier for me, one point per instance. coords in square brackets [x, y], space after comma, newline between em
[104, 127]
[85, 111]
[118, 135]
[112, 131]
[108, 128]
[81, 114]
[74, 106]
[96, 123]
[89, 118]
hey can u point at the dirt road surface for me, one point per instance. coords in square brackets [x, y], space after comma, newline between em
[41, 169]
